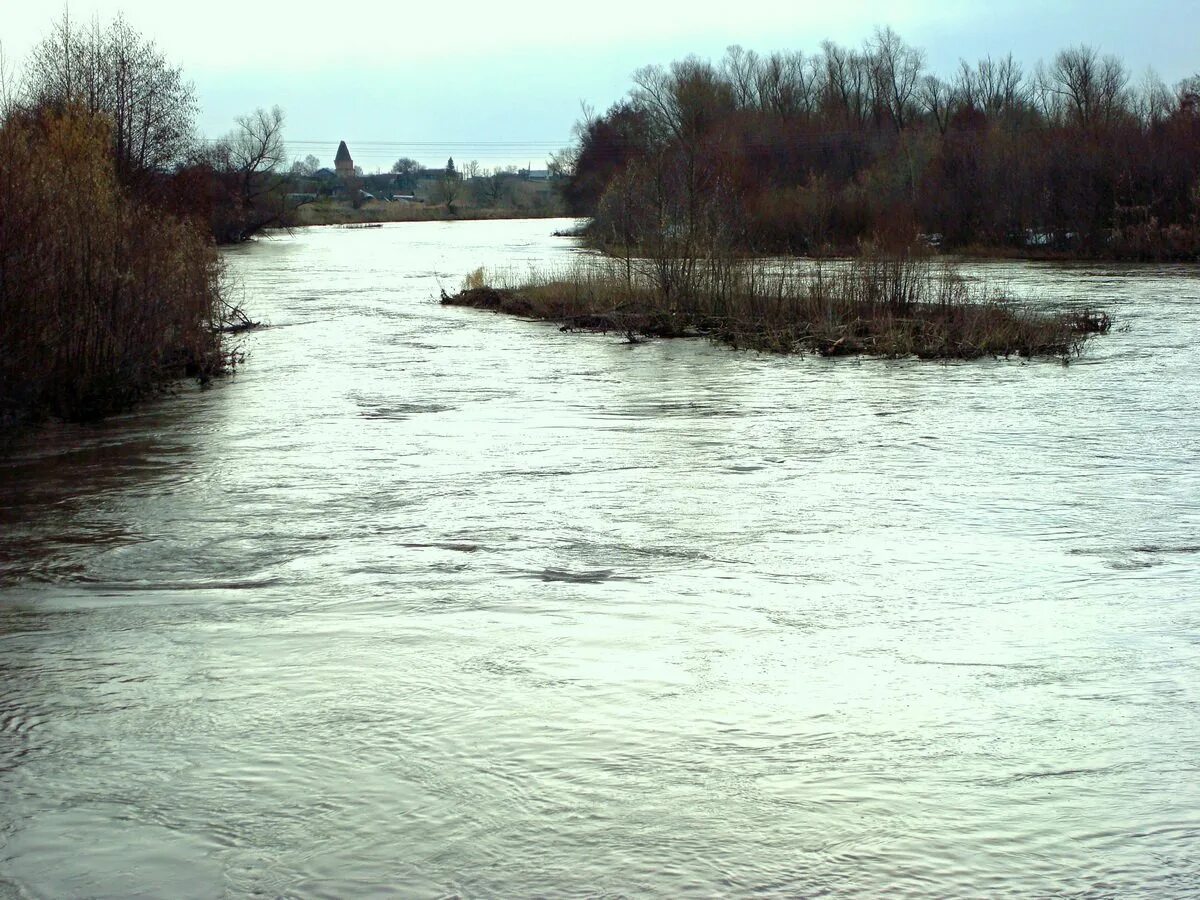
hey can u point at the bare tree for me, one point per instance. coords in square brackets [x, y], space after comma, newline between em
[739, 67]
[1087, 88]
[1188, 91]
[1114, 81]
[245, 164]
[449, 186]
[654, 95]
[783, 85]
[896, 69]
[686, 106]
[992, 86]
[9, 86]
[1010, 86]
[684, 101]
[965, 87]
[848, 83]
[935, 97]
[562, 162]
[1155, 103]
[120, 74]
[256, 143]
[307, 167]
[493, 189]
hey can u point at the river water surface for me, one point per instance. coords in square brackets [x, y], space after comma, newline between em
[431, 602]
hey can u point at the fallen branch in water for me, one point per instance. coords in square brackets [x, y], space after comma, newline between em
[235, 320]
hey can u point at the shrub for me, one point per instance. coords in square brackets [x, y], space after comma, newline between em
[102, 298]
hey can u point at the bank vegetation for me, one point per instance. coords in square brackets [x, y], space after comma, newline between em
[334, 212]
[819, 152]
[111, 285]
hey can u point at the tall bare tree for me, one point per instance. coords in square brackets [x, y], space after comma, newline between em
[245, 164]
[1088, 88]
[896, 70]
[936, 98]
[116, 72]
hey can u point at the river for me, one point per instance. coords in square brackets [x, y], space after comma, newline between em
[430, 602]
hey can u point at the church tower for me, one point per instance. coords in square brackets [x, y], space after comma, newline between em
[342, 162]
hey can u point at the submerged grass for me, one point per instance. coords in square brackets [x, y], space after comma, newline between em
[890, 306]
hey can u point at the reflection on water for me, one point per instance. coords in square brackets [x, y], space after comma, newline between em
[429, 601]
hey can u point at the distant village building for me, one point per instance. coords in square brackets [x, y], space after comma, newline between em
[342, 162]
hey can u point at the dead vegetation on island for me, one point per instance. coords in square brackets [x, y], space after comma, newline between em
[892, 306]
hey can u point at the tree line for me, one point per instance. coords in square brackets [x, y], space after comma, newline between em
[820, 152]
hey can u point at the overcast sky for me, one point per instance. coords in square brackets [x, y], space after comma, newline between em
[503, 83]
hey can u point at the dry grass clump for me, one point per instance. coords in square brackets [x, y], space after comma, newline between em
[102, 298]
[892, 306]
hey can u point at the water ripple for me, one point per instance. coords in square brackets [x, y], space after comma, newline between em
[433, 603]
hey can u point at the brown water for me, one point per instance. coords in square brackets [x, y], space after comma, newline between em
[432, 602]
